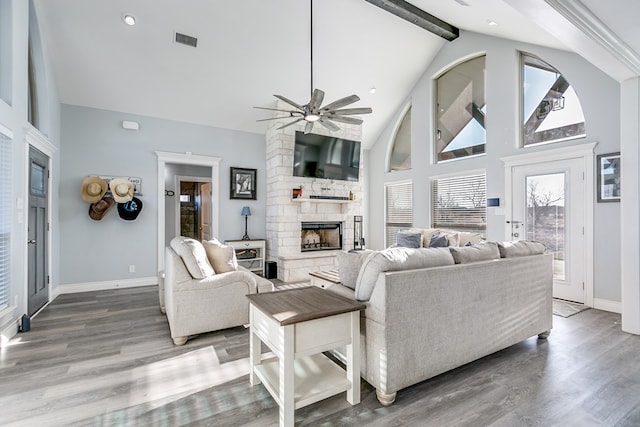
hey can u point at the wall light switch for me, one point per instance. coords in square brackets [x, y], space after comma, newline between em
[132, 268]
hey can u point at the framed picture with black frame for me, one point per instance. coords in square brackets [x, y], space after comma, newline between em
[608, 169]
[243, 183]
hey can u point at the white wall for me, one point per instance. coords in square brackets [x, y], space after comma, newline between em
[600, 99]
[94, 143]
[13, 116]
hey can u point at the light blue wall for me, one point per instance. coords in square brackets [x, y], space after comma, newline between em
[94, 143]
[600, 99]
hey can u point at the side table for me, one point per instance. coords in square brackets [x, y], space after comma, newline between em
[298, 325]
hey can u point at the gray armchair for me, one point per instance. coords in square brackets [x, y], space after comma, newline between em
[195, 306]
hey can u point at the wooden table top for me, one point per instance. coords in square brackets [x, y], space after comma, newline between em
[303, 304]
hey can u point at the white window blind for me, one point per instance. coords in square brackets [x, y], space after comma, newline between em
[460, 203]
[5, 218]
[398, 209]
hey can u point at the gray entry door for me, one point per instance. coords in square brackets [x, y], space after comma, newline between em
[37, 237]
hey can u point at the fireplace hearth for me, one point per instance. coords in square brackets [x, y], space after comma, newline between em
[320, 236]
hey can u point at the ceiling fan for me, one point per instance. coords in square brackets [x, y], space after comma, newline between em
[313, 111]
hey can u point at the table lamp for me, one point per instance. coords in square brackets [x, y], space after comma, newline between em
[246, 212]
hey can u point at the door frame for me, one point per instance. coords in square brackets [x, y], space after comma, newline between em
[584, 152]
[178, 180]
[34, 138]
[186, 159]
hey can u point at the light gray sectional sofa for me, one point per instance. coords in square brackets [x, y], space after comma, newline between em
[430, 310]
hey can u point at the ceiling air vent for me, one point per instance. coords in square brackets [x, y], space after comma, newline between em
[186, 40]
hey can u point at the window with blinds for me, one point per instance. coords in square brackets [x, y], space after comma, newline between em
[398, 209]
[5, 218]
[460, 203]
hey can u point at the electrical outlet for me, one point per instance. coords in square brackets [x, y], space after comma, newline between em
[132, 268]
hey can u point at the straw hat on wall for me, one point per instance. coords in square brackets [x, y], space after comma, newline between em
[93, 188]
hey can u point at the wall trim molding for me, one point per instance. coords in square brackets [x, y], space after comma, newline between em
[606, 305]
[72, 288]
[583, 18]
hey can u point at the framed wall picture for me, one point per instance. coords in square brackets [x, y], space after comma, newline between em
[243, 183]
[608, 177]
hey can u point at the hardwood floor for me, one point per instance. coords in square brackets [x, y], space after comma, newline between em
[106, 359]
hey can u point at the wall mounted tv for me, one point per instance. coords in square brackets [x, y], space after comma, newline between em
[319, 156]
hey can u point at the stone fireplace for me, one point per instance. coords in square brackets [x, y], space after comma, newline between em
[320, 236]
[323, 201]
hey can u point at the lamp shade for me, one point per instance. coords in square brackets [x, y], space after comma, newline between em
[246, 211]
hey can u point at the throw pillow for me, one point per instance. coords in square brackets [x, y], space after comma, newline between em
[438, 241]
[467, 237]
[394, 259]
[222, 257]
[474, 253]
[193, 255]
[520, 248]
[409, 239]
[349, 264]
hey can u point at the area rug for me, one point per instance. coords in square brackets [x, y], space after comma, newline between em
[567, 309]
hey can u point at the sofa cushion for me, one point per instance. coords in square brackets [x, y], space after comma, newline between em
[394, 259]
[221, 257]
[409, 239]
[474, 253]
[193, 255]
[349, 264]
[520, 248]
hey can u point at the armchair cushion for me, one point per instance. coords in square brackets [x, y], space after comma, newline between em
[193, 255]
[222, 257]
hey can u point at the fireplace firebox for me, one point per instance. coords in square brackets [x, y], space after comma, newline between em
[320, 236]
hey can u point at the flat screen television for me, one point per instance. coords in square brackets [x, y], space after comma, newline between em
[319, 156]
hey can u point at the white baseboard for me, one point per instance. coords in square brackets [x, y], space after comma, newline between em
[8, 331]
[73, 288]
[606, 305]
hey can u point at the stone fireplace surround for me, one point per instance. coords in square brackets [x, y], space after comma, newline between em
[286, 214]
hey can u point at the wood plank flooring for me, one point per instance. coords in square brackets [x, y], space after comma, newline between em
[106, 359]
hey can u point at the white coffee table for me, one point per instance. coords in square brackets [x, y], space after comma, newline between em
[298, 325]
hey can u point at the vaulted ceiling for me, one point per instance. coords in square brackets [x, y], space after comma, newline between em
[249, 50]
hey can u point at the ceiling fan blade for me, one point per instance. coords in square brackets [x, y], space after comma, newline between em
[329, 125]
[290, 123]
[308, 127]
[344, 119]
[316, 100]
[344, 111]
[290, 102]
[274, 118]
[341, 102]
[275, 109]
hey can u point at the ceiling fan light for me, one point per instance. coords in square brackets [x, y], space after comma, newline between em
[312, 117]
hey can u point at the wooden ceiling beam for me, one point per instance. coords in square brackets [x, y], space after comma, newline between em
[419, 17]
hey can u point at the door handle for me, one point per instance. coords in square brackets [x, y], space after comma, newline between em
[31, 242]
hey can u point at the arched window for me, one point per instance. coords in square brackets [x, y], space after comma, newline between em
[400, 158]
[551, 108]
[461, 107]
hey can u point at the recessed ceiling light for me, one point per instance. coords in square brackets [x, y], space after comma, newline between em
[129, 19]
[491, 23]
[372, 90]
